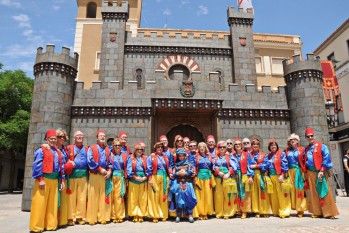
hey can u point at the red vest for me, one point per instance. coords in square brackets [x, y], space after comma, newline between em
[301, 157]
[124, 159]
[48, 161]
[277, 161]
[317, 154]
[134, 162]
[70, 152]
[197, 158]
[95, 153]
[243, 162]
[154, 162]
[261, 155]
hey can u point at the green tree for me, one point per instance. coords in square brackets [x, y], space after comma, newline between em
[15, 102]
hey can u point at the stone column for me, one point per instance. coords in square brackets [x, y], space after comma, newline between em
[243, 56]
[51, 104]
[113, 42]
[305, 97]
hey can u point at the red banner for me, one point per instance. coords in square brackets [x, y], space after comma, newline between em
[330, 85]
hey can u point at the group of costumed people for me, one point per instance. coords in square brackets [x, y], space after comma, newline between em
[77, 184]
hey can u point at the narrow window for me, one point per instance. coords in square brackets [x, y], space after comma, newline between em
[91, 10]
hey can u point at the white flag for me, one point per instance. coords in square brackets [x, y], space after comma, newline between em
[244, 4]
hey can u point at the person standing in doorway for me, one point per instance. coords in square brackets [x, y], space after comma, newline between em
[346, 171]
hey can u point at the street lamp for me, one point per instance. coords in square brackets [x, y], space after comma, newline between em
[331, 115]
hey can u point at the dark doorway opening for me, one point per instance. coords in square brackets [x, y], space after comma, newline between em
[185, 131]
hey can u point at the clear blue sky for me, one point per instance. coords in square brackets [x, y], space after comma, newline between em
[28, 24]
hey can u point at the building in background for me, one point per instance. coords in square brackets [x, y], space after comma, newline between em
[153, 81]
[335, 49]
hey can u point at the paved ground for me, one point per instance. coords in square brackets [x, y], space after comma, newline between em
[13, 220]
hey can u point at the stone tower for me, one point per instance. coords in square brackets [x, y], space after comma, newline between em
[305, 96]
[113, 42]
[51, 105]
[243, 56]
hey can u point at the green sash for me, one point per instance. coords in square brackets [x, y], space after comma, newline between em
[204, 174]
[241, 187]
[272, 172]
[141, 174]
[223, 169]
[322, 187]
[78, 173]
[163, 174]
[120, 173]
[51, 176]
[299, 180]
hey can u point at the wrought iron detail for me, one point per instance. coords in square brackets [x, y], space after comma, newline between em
[111, 111]
[177, 50]
[239, 113]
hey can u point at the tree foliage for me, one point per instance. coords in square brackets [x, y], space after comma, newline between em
[15, 102]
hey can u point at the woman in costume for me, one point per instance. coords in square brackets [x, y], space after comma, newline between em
[224, 169]
[119, 163]
[296, 166]
[260, 200]
[157, 169]
[245, 177]
[137, 188]
[204, 183]
[182, 190]
[68, 167]
[278, 167]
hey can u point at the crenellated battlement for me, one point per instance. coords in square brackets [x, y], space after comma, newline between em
[239, 17]
[111, 11]
[59, 62]
[113, 6]
[298, 68]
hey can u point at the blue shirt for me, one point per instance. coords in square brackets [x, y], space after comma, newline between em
[38, 160]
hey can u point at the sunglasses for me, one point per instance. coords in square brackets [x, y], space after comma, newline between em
[246, 143]
[179, 140]
[139, 149]
[238, 144]
[160, 147]
[222, 147]
[309, 136]
[229, 143]
[192, 145]
[255, 144]
[60, 137]
[117, 145]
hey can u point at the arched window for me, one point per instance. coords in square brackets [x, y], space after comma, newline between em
[91, 10]
[178, 72]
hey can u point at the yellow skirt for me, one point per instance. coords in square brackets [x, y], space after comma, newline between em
[204, 198]
[259, 205]
[298, 199]
[280, 203]
[157, 202]
[137, 199]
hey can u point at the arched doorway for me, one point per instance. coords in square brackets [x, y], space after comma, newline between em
[185, 131]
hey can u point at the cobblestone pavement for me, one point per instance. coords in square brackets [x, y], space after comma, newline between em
[12, 219]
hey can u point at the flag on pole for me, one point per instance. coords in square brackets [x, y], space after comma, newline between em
[244, 4]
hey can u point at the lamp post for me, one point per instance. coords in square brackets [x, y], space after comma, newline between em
[331, 115]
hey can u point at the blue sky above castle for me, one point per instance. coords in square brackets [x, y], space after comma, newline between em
[27, 24]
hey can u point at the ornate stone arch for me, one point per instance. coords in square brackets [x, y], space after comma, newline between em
[172, 60]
